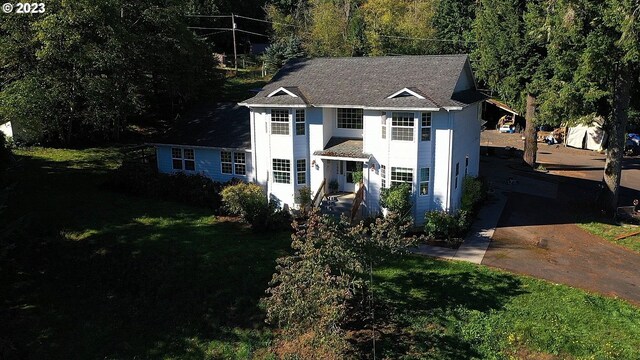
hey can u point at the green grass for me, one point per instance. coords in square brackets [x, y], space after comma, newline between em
[610, 232]
[93, 274]
[445, 310]
[96, 274]
[238, 88]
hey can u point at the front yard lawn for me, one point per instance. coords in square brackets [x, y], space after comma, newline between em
[93, 274]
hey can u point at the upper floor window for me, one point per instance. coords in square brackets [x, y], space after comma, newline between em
[281, 171]
[279, 122]
[383, 128]
[300, 122]
[425, 128]
[402, 126]
[383, 176]
[349, 118]
[183, 159]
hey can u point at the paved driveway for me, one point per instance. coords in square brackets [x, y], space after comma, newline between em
[536, 234]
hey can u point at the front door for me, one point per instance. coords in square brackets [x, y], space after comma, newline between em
[350, 168]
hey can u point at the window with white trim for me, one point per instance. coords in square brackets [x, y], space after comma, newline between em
[183, 159]
[240, 163]
[383, 176]
[349, 118]
[281, 171]
[402, 126]
[279, 122]
[457, 173]
[425, 128]
[424, 181]
[401, 175]
[233, 163]
[226, 162]
[301, 171]
[300, 122]
[383, 128]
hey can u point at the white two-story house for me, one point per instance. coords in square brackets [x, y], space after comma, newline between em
[413, 119]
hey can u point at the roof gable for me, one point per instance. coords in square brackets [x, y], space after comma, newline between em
[405, 93]
[282, 91]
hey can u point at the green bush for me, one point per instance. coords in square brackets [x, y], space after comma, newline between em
[357, 176]
[249, 202]
[473, 193]
[397, 198]
[303, 198]
[144, 180]
[445, 225]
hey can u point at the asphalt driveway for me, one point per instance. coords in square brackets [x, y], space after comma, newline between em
[536, 234]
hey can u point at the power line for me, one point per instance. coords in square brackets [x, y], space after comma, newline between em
[207, 28]
[208, 16]
[265, 21]
[426, 39]
[251, 32]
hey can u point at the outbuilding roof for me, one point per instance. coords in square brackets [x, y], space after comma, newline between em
[223, 125]
[369, 82]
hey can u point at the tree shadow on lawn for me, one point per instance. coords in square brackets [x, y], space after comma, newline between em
[419, 302]
[95, 274]
[134, 291]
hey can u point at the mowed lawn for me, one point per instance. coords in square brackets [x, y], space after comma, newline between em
[95, 274]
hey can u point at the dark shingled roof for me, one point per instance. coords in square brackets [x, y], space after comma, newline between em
[343, 147]
[223, 125]
[368, 81]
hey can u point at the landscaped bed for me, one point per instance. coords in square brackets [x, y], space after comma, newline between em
[98, 274]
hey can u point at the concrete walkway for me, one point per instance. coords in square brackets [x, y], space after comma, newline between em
[477, 241]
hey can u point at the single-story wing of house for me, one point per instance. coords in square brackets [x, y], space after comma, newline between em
[211, 140]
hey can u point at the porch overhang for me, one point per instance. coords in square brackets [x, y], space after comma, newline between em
[339, 148]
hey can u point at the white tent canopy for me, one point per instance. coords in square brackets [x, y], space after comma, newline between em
[583, 136]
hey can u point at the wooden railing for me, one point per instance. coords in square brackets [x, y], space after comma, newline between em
[320, 194]
[357, 201]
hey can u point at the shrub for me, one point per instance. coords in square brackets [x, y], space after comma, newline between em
[303, 198]
[357, 176]
[333, 185]
[446, 226]
[473, 193]
[144, 180]
[397, 198]
[249, 202]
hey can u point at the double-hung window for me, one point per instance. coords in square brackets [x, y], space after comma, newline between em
[300, 122]
[401, 175]
[281, 171]
[383, 128]
[240, 163]
[402, 126]
[349, 118]
[279, 122]
[301, 171]
[424, 181]
[425, 128]
[383, 176]
[226, 162]
[233, 163]
[183, 159]
[457, 173]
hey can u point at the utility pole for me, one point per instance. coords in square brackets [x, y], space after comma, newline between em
[235, 54]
